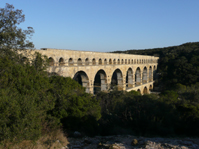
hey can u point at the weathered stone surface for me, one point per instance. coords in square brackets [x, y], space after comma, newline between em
[125, 142]
[134, 142]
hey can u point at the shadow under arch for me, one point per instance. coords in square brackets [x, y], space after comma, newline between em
[144, 75]
[145, 91]
[150, 74]
[100, 81]
[25, 60]
[51, 61]
[61, 61]
[154, 72]
[117, 80]
[138, 76]
[150, 87]
[139, 91]
[82, 78]
[129, 78]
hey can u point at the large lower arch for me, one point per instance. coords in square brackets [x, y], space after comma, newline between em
[144, 75]
[117, 80]
[129, 78]
[138, 77]
[154, 72]
[100, 81]
[82, 78]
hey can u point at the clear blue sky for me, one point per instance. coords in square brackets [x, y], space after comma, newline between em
[110, 25]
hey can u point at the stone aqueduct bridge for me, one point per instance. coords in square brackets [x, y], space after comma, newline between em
[104, 71]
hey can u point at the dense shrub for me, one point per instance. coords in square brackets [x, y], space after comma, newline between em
[24, 100]
[165, 115]
[76, 109]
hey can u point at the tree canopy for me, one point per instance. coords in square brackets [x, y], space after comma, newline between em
[11, 36]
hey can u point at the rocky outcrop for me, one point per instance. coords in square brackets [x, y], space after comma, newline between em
[131, 142]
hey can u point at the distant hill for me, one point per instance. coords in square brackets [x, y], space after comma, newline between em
[161, 52]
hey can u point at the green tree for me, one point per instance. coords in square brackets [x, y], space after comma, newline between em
[12, 37]
[24, 100]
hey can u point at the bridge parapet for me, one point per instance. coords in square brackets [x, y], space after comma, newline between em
[75, 58]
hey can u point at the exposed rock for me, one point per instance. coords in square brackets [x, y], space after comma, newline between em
[77, 134]
[132, 142]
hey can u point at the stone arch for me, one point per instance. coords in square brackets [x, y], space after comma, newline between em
[93, 61]
[137, 61]
[129, 78]
[145, 91]
[138, 76]
[154, 68]
[150, 87]
[144, 75]
[25, 60]
[122, 61]
[125, 61]
[114, 61]
[79, 62]
[118, 61]
[150, 74]
[154, 72]
[117, 80]
[142, 61]
[86, 61]
[100, 61]
[139, 91]
[82, 78]
[61, 61]
[132, 61]
[70, 62]
[100, 81]
[110, 61]
[105, 62]
[51, 61]
[129, 61]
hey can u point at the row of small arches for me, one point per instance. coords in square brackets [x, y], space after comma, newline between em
[101, 62]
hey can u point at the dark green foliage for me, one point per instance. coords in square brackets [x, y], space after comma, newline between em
[76, 109]
[24, 100]
[165, 115]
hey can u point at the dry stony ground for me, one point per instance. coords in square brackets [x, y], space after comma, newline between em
[132, 142]
[109, 142]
